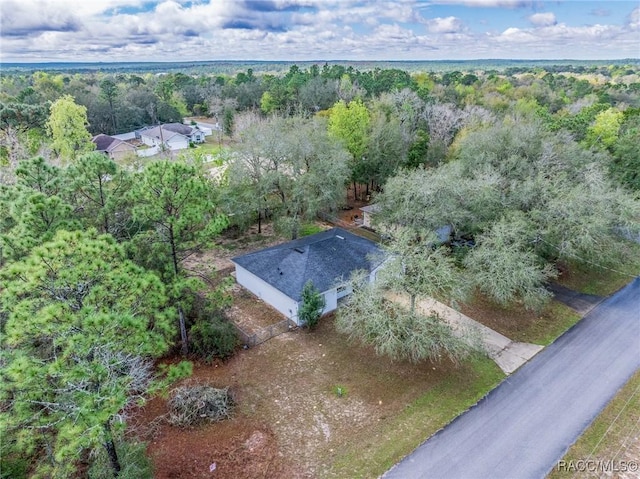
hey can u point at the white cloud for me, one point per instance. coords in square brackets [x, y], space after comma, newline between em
[609, 41]
[445, 25]
[488, 3]
[172, 30]
[543, 19]
[634, 18]
[26, 18]
[389, 33]
[403, 12]
[516, 35]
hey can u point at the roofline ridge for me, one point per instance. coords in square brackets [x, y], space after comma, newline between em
[307, 240]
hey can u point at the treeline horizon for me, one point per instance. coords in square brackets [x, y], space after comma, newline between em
[260, 66]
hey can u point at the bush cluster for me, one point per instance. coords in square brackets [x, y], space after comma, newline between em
[211, 334]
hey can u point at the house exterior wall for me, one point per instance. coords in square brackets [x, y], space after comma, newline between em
[280, 301]
[177, 142]
[366, 219]
[148, 140]
[344, 290]
[283, 303]
[330, 301]
[148, 151]
[197, 137]
[123, 150]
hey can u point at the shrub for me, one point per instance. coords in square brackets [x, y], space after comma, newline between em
[340, 391]
[198, 403]
[211, 335]
[311, 305]
[13, 467]
[213, 338]
[309, 229]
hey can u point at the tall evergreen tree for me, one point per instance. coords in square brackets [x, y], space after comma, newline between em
[179, 205]
[83, 325]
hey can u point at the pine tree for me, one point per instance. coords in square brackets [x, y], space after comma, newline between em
[83, 325]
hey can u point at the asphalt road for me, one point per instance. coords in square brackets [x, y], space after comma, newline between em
[525, 425]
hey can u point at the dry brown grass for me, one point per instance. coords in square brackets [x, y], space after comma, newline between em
[285, 390]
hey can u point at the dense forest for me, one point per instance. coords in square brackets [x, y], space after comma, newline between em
[534, 170]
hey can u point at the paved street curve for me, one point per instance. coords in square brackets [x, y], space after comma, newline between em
[523, 427]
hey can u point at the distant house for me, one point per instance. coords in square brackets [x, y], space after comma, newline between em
[367, 213]
[206, 128]
[130, 135]
[195, 134]
[277, 274]
[115, 148]
[172, 136]
[443, 234]
[161, 137]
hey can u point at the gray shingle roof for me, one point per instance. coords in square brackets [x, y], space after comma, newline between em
[185, 130]
[324, 258]
[374, 208]
[103, 142]
[106, 143]
[164, 135]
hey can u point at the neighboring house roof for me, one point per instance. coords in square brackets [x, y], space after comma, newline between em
[126, 136]
[171, 131]
[443, 233]
[102, 141]
[165, 135]
[324, 258]
[372, 209]
[185, 130]
[208, 126]
[108, 143]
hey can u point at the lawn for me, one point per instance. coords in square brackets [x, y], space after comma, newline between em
[612, 440]
[517, 324]
[603, 281]
[380, 447]
[209, 147]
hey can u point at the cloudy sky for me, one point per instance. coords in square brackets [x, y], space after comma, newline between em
[189, 30]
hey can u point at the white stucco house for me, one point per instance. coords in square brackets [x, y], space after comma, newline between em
[163, 138]
[278, 274]
[171, 136]
[206, 128]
